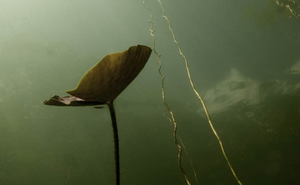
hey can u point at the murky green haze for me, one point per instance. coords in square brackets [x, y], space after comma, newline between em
[244, 60]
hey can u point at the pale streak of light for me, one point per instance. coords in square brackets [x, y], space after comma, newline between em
[198, 95]
[288, 7]
[68, 176]
[163, 96]
[186, 152]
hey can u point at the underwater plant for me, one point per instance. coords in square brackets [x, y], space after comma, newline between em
[103, 83]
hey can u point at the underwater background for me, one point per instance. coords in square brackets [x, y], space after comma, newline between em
[244, 60]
